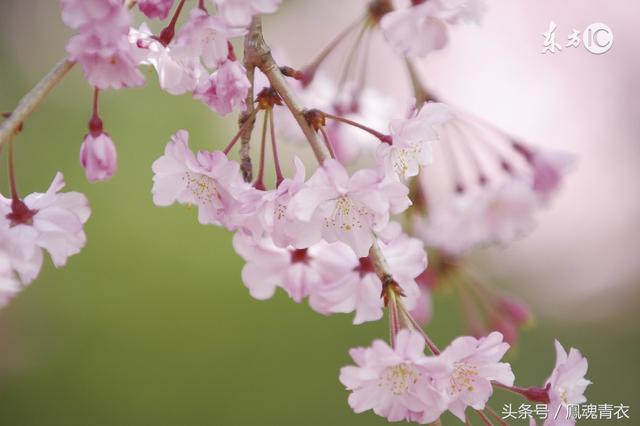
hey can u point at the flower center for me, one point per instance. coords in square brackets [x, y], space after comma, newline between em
[401, 158]
[462, 378]
[346, 215]
[202, 187]
[399, 378]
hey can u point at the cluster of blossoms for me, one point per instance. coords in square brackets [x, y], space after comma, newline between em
[347, 239]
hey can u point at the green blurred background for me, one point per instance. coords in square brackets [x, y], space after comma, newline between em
[151, 325]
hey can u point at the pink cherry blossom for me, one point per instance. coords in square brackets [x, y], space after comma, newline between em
[226, 89]
[268, 214]
[566, 385]
[411, 139]
[473, 363]
[19, 244]
[52, 221]
[204, 36]
[105, 65]
[549, 166]
[347, 209]
[98, 157]
[9, 285]
[209, 180]
[101, 45]
[269, 267]
[155, 9]
[107, 19]
[422, 28]
[176, 75]
[395, 382]
[497, 214]
[240, 12]
[350, 284]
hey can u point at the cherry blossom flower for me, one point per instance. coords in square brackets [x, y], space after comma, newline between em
[473, 363]
[9, 285]
[395, 382]
[411, 138]
[101, 45]
[204, 36]
[209, 180]
[347, 209]
[549, 166]
[268, 214]
[52, 221]
[490, 215]
[422, 28]
[240, 12]
[269, 267]
[226, 89]
[98, 157]
[566, 385]
[105, 65]
[350, 284]
[155, 9]
[176, 76]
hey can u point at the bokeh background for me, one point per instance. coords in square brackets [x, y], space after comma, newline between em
[150, 324]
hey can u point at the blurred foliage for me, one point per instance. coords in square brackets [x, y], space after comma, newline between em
[150, 324]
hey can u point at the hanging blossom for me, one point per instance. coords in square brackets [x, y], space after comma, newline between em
[9, 284]
[396, 382]
[156, 9]
[423, 27]
[352, 285]
[238, 13]
[330, 274]
[207, 179]
[265, 213]
[52, 221]
[476, 218]
[411, 140]
[473, 363]
[548, 168]
[566, 385]
[101, 45]
[226, 89]
[98, 156]
[348, 208]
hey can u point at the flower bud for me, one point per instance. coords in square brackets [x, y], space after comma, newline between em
[98, 157]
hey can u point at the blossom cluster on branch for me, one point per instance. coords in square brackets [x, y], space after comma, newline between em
[351, 234]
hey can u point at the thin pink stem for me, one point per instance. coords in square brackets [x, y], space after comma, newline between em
[12, 176]
[327, 142]
[247, 124]
[310, 70]
[484, 418]
[274, 148]
[259, 183]
[432, 346]
[381, 136]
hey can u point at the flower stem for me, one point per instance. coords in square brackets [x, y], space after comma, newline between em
[259, 183]
[327, 142]
[414, 324]
[12, 175]
[381, 136]
[274, 148]
[248, 122]
[310, 70]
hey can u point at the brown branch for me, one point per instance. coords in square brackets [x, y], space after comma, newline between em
[260, 55]
[33, 99]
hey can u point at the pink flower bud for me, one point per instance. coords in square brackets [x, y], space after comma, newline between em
[515, 310]
[98, 157]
